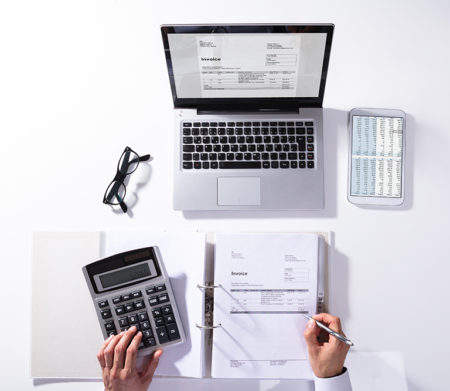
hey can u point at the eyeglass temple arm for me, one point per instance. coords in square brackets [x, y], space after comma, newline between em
[123, 206]
[144, 158]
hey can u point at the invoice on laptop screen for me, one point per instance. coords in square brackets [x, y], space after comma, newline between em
[247, 65]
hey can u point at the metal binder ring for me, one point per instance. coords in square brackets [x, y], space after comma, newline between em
[208, 327]
[208, 286]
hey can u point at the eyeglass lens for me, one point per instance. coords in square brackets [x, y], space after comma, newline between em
[128, 162]
[115, 193]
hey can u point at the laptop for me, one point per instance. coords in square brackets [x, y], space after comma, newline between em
[248, 115]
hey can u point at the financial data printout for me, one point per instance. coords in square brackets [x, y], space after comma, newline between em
[377, 150]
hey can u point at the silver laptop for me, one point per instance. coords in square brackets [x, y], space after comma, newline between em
[248, 115]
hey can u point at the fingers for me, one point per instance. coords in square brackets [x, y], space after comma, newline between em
[333, 322]
[311, 333]
[101, 352]
[130, 359]
[109, 350]
[121, 347]
[152, 364]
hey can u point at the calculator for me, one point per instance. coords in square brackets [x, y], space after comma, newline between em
[133, 289]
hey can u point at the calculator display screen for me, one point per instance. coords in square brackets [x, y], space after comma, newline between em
[125, 275]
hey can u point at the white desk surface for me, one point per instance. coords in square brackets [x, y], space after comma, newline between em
[80, 80]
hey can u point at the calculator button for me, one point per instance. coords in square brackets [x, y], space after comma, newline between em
[132, 319]
[172, 329]
[113, 332]
[137, 325]
[167, 309]
[136, 294]
[126, 297]
[129, 307]
[160, 288]
[149, 342]
[142, 316]
[103, 304]
[163, 298]
[109, 326]
[106, 314]
[157, 313]
[116, 300]
[153, 300]
[120, 310]
[159, 322]
[169, 319]
[150, 290]
[147, 334]
[161, 332]
[123, 322]
[145, 325]
[125, 328]
[139, 305]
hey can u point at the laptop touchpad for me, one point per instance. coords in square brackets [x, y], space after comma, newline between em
[239, 191]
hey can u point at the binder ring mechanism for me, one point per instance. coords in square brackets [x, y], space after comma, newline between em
[202, 286]
[205, 327]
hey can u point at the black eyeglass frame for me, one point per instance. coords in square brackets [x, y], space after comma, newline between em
[120, 178]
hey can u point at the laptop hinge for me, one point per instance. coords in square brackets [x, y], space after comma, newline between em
[236, 110]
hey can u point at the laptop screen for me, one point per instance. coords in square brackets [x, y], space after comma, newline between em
[224, 64]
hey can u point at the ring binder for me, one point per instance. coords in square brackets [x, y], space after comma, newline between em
[208, 327]
[201, 286]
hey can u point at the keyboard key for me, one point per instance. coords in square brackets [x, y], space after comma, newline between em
[311, 164]
[187, 124]
[195, 131]
[294, 164]
[159, 322]
[164, 298]
[214, 165]
[284, 164]
[188, 140]
[142, 316]
[292, 156]
[310, 156]
[169, 319]
[145, 325]
[310, 139]
[150, 290]
[205, 165]
[205, 124]
[309, 123]
[123, 322]
[188, 148]
[187, 156]
[136, 294]
[161, 333]
[139, 305]
[103, 304]
[197, 165]
[196, 157]
[173, 332]
[166, 309]
[149, 342]
[157, 313]
[300, 131]
[266, 164]
[153, 300]
[302, 164]
[197, 124]
[310, 130]
[106, 314]
[116, 300]
[187, 165]
[109, 326]
[310, 147]
[299, 124]
[147, 333]
[242, 165]
[274, 164]
[119, 310]
[132, 319]
[129, 307]
[231, 124]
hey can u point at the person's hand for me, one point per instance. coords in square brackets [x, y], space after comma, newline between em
[117, 357]
[326, 353]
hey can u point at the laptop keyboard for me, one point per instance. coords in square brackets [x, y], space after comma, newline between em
[248, 145]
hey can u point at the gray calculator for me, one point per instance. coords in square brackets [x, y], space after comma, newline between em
[133, 289]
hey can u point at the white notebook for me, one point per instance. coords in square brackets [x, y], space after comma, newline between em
[266, 282]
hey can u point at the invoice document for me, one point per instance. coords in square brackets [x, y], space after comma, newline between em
[248, 65]
[267, 282]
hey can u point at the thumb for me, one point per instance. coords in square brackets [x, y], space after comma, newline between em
[152, 364]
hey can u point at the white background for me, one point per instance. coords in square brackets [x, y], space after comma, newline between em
[80, 80]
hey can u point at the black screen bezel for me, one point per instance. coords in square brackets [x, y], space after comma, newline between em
[290, 103]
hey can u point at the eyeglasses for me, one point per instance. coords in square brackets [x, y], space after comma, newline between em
[128, 163]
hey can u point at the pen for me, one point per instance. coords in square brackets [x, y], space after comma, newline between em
[340, 337]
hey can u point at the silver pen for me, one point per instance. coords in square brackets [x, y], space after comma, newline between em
[340, 337]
